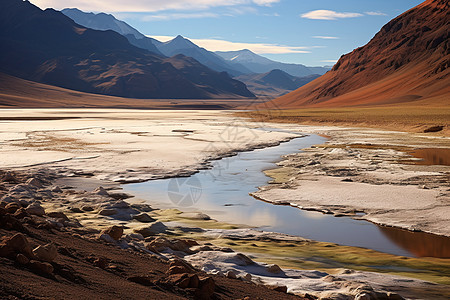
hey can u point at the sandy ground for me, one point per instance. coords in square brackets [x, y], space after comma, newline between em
[107, 147]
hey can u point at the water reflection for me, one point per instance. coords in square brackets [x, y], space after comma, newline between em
[421, 244]
[432, 156]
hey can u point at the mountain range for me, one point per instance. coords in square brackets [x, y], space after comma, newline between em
[234, 62]
[259, 64]
[48, 47]
[274, 83]
[406, 61]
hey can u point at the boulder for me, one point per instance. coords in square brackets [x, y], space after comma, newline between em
[275, 269]
[100, 191]
[107, 212]
[279, 288]
[231, 274]
[22, 259]
[58, 215]
[18, 243]
[35, 182]
[144, 218]
[115, 232]
[35, 209]
[206, 288]
[87, 208]
[46, 253]
[152, 229]
[9, 177]
[41, 267]
[56, 189]
[12, 207]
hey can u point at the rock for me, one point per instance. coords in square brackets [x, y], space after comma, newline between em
[76, 210]
[182, 264]
[46, 253]
[115, 232]
[101, 262]
[87, 208]
[231, 274]
[206, 288]
[152, 229]
[107, 212]
[135, 236]
[107, 238]
[12, 207]
[144, 218]
[196, 216]
[159, 244]
[247, 277]
[18, 243]
[143, 280]
[176, 270]
[9, 177]
[34, 182]
[194, 281]
[279, 288]
[119, 196]
[275, 269]
[56, 189]
[394, 296]
[58, 215]
[21, 213]
[434, 129]
[22, 259]
[244, 260]
[35, 209]
[41, 267]
[100, 191]
[120, 204]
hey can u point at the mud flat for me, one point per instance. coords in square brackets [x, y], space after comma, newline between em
[371, 172]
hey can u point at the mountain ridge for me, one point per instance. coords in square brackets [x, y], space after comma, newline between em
[407, 60]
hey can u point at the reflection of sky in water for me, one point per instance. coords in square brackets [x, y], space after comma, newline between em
[224, 197]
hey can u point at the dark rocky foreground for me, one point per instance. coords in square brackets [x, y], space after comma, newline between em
[47, 255]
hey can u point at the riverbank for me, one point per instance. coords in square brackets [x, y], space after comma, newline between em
[87, 149]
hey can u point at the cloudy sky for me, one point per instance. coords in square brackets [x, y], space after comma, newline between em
[299, 31]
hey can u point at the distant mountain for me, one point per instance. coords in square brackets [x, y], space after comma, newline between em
[181, 45]
[407, 61]
[274, 83]
[48, 47]
[259, 64]
[102, 21]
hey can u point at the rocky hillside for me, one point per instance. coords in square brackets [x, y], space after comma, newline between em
[407, 60]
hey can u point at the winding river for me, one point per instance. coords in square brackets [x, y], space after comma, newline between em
[222, 192]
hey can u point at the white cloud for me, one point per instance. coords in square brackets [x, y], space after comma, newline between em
[177, 16]
[375, 13]
[329, 61]
[323, 14]
[325, 37]
[144, 5]
[222, 45]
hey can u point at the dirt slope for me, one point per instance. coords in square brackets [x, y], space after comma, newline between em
[407, 60]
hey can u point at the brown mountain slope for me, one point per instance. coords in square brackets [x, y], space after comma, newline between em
[407, 60]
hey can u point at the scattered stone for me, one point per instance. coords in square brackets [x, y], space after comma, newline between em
[21, 213]
[434, 129]
[87, 208]
[114, 232]
[244, 260]
[34, 182]
[152, 229]
[35, 209]
[46, 253]
[107, 238]
[120, 204]
[206, 288]
[107, 212]
[18, 243]
[119, 196]
[196, 216]
[135, 236]
[76, 210]
[144, 280]
[12, 207]
[41, 267]
[101, 262]
[100, 191]
[58, 215]
[56, 189]
[9, 177]
[231, 274]
[144, 218]
[247, 277]
[22, 259]
[279, 288]
[275, 269]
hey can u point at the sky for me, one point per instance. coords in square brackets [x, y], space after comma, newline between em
[313, 33]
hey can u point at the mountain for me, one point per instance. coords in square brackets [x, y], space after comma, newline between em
[259, 64]
[407, 60]
[274, 83]
[102, 21]
[48, 47]
[181, 45]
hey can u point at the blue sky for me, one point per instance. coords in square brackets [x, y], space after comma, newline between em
[298, 31]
